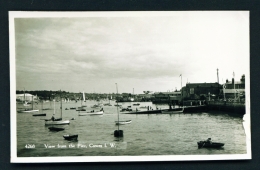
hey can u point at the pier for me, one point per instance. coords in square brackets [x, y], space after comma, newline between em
[186, 109]
[238, 108]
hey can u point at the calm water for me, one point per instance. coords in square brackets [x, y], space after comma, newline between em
[154, 134]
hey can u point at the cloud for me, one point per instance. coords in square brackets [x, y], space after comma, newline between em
[136, 48]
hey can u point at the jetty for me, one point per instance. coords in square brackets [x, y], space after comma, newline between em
[144, 112]
[237, 108]
[186, 109]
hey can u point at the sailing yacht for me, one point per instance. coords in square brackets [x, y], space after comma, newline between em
[119, 133]
[40, 114]
[59, 121]
[29, 110]
[84, 100]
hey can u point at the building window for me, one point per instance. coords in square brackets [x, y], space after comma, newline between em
[191, 90]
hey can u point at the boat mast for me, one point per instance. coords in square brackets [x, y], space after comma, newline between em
[23, 95]
[81, 100]
[32, 102]
[60, 104]
[181, 90]
[117, 108]
[54, 105]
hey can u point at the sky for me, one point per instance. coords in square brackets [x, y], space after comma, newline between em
[139, 51]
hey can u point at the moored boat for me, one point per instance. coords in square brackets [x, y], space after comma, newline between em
[95, 106]
[27, 111]
[39, 114]
[84, 100]
[56, 129]
[70, 137]
[91, 113]
[57, 122]
[81, 109]
[136, 104]
[126, 109]
[123, 122]
[205, 144]
[118, 133]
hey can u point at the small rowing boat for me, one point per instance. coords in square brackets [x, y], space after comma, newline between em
[70, 137]
[39, 114]
[57, 122]
[205, 144]
[91, 113]
[123, 122]
[56, 129]
[27, 111]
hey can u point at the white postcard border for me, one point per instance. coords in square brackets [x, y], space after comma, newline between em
[15, 159]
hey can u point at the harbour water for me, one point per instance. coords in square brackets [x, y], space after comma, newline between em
[147, 134]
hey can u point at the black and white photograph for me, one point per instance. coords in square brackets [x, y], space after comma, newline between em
[129, 86]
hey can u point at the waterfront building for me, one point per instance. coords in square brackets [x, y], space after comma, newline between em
[125, 97]
[201, 91]
[234, 90]
[146, 96]
[26, 97]
[167, 97]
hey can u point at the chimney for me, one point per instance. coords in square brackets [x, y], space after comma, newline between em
[227, 81]
[242, 78]
[233, 81]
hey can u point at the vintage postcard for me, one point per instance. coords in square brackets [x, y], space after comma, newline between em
[129, 86]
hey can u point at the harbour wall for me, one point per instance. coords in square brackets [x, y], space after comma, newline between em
[233, 107]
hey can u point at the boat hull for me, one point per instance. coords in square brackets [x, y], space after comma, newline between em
[91, 113]
[70, 137]
[28, 111]
[55, 129]
[60, 122]
[123, 122]
[46, 109]
[40, 114]
[203, 144]
[118, 133]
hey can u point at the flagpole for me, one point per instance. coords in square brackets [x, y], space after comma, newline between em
[224, 86]
[117, 108]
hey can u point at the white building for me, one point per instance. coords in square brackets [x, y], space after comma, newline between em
[26, 97]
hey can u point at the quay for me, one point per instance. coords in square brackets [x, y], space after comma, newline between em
[186, 109]
[237, 108]
[144, 112]
[232, 107]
